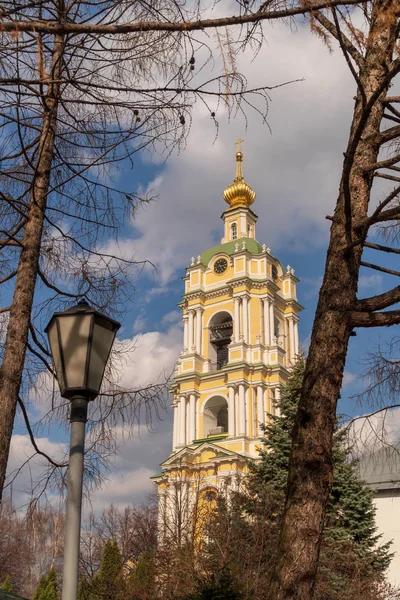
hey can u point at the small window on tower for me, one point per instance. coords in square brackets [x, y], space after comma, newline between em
[233, 231]
[248, 230]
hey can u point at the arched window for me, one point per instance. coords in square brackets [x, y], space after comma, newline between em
[233, 231]
[248, 230]
[220, 334]
[210, 495]
[215, 416]
[278, 331]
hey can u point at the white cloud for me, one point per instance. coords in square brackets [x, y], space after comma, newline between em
[139, 324]
[371, 284]
[151, 357]
[348, 378]
[26, 476]
[138, 459]
[312, 284]
[172, 317]
[295, 171]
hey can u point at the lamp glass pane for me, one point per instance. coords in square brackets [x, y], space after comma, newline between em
[75, 330]
[55, 352]
[103, 338]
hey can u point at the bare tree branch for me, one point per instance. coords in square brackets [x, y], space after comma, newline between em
[380, 301]
[32, 438]
[376, 319]
[124, 28]
[378, 268]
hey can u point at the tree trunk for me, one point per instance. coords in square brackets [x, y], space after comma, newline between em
[310, 470]
[18, 327]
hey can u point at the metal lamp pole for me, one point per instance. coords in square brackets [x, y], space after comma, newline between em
[80, 339]
[78, 418]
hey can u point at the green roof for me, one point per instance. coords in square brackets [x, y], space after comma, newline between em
[228, 248]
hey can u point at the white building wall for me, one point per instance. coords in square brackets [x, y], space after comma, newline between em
[387, 520]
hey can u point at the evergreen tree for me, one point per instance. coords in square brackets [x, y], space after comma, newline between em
[47, 587]
[7, 584]
[217, 586]
[142, 582]
[84, 590]
[50, 591]
[350, 524]
[109, 584]
[40, 589]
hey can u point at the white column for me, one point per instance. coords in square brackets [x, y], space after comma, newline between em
[174, 435]
[192, 418]
[271, 323]
[182, 421]
[260, 409]
[277, 397]
[266, 402]
[286, 340]
[198, 329]
[242, 410]
[245, 304]
[185, 333]
[191, 330]
[267, 334]
[178, 422]
[248, 398]
[236, 319]
[296, 337]
[291, 339]
[231, 411]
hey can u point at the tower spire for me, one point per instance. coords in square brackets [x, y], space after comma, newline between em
[239, 193]
[239, 160]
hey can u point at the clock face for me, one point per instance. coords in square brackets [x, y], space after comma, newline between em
[221, 265]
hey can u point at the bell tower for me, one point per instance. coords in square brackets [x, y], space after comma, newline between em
[240, 318]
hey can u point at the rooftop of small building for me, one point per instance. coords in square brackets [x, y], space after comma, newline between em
[9, 596]
[381, 469]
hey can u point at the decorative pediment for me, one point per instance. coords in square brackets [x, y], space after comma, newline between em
[202, 453]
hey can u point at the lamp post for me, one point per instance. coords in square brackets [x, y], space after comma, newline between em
[80, 339]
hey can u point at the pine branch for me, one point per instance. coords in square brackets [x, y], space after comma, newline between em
[345, 44]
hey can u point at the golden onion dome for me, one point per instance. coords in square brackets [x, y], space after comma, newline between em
[239, 193]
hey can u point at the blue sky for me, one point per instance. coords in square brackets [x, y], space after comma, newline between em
[294, 169]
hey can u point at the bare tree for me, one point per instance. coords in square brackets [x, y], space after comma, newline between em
[133, 527]
[30, 544]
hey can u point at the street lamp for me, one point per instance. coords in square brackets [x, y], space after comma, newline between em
[80, 339]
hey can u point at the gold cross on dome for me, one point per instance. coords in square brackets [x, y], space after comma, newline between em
[238, 142]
